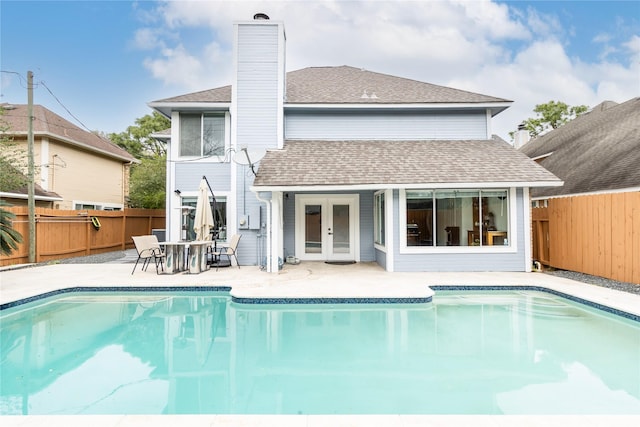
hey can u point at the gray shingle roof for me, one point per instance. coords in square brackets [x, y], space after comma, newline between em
[47, 122]
[221, 94]
[597, 151]
[344, 84]
[336, 85]
[397, 163]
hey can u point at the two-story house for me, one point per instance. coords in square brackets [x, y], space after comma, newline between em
[76, 169]
[348, 165]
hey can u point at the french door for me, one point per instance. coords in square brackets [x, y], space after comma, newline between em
[327, 227]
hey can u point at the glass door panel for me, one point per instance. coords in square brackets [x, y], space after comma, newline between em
[341, 231]
[313, 229]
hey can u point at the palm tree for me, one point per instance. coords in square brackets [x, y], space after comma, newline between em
[9, 238]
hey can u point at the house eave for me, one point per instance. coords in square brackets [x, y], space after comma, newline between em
[165, 108]
[432, 185]
[590, 193]
[80, 145]
[26, 196]
[542, 156]
[495, 107]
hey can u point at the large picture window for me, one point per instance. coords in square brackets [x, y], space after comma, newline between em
[457, 217]
[202, 135]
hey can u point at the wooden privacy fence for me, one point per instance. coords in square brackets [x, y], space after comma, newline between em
[596, 234]
[70, 233]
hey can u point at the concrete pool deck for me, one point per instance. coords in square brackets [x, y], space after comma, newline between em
[306, 280]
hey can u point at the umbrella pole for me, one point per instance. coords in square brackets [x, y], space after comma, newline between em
[214, 207]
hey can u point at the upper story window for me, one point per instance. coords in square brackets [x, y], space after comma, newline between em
[202, 135]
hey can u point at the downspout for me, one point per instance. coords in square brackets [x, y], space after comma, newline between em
[267, 203]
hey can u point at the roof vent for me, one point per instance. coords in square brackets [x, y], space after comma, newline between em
[261, 17]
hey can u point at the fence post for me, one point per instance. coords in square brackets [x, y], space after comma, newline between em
[123, 222]
[38, 239]
[87, 250]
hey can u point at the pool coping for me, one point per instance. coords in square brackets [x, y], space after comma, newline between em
[322, 300]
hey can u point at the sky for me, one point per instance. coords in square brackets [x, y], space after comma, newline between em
[98, 63]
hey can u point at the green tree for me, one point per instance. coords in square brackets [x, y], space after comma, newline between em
[9, 238]
[13, 160]
[147, 183]
[137, 139]
[550, 116]
[148, 179]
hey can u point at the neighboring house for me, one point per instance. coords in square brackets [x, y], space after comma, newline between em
[591, 224]
[597, 152]
[350, 166]
[76, 168]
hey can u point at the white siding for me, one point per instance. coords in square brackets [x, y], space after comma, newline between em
[387, 125]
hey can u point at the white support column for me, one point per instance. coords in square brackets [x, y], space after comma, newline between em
[276, 230]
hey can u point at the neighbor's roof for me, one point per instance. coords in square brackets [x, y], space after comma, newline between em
[597, 151]
[393, 164]
[47, 123]
[39, 193]
[23, 191]
[349, 85]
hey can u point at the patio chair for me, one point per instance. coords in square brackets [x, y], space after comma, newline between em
[228, 251]
[148, 249]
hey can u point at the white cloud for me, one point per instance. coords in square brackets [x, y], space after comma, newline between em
[482, 46]
[176, 66]
[633, 46]
[602, 38]
[147, 38]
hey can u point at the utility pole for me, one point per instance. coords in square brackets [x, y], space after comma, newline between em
[31, 184]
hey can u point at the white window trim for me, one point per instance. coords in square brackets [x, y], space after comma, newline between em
[175, 124]
[377, 245]
[300, 201]
[98, 206]
[513, 236]
[194, 195]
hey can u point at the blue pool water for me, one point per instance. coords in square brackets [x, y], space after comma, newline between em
[470, 352]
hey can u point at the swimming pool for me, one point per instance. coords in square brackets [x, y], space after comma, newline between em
[467, 352]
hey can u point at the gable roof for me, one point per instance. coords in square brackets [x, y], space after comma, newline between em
[47, 123]
[399, 164]
[597, 151]
[349, 85]
[336, 85]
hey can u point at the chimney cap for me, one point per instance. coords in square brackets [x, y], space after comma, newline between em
[260, 16]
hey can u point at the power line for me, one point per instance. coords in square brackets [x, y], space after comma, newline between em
[21, 78]
[63, 106]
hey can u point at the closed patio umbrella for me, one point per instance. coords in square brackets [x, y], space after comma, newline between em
[203, 222]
